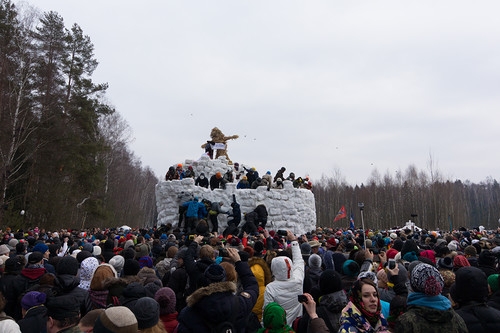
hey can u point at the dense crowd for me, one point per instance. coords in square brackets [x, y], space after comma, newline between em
[327, 280]
[243, 177]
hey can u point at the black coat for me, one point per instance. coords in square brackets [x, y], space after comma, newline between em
[35, 320]
[480, 317]
[214, 303]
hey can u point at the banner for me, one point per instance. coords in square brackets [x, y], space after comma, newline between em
[341, 214]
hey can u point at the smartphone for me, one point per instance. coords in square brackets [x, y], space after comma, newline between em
[302, 298]
[392, 264]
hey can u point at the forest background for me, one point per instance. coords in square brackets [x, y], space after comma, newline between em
[65, 159]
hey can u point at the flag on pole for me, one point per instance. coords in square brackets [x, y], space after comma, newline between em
[351, 222]
[341, 214]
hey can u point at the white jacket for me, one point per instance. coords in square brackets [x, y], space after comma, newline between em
[287, 284]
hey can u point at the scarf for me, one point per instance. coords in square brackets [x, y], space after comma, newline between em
[438, 302]
[372, 317]
[99, 298]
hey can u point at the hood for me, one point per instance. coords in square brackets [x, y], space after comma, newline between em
[67, 282]
[282, 268]
[334, 302]
[263, 275]
[213, 288]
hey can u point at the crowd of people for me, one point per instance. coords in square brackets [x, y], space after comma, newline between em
[243, 177]
[327, 280]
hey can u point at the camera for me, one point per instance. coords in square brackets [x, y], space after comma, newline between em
[223, 252]
[302, 298]
[282, 232]
[392, 264]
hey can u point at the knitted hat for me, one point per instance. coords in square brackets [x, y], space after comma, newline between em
[14, 264]
[131, 267]
[40, 247]
[426, 279]
[350, 268]
[87, 270]
[470, 250]
[67, 265]
[166, 299]
[147, 312]
[32, 298]
[494, 282]
[410, 256]
[4, 249]
[429, 254]
[330, 281]
[116, 319]
[146, 261]
[82, 255]
[305, 249]
[445, 263]
[88, 247]
[97, 251]
[35, 258]
[460, 261]
[117, 262]
[315, 261]
[274, 317]
[368, 275]
[13, 242]
[215, 273]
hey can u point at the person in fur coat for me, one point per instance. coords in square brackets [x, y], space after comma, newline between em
[215, 303]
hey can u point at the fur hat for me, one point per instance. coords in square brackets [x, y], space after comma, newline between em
[215, 273]
[330, 281]
[116, 319]
[426, 279]
[32, 298]
[67, 265]
[166, 299]
[147, 312]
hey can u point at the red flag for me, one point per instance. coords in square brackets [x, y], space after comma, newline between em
[341, 214]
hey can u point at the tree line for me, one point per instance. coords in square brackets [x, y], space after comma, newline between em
[423, 197]
[64, 158]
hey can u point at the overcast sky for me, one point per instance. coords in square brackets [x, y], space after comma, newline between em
[320, 87]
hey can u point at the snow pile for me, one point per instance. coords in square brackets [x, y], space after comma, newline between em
[288, 208]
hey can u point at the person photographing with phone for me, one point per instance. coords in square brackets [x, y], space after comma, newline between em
[288, 281]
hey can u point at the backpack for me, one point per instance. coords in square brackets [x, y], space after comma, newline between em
[227, 326]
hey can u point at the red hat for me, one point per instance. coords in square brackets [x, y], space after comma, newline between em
[333, 241]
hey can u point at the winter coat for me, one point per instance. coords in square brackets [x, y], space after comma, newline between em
[429, 314]
[169, 321]
[352, 320]
[287, 284]
[329, 308]
[480, 317]
[214, 303]
[12, 289]
[202, 182]
[177, 282]
[243, 183]
[494, 300]
[66, 284]
[35, 320]
[8, 325]
[262, 273]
